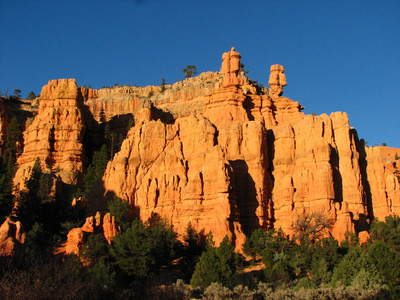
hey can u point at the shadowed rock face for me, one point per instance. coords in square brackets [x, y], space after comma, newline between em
[216, 152]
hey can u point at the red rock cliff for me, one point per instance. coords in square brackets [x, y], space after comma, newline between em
[55, 134]
[243, 160]
[220, 152]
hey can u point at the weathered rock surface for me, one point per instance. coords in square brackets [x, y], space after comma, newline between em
[220, 152]
[77, 237]
[55, 135]
[383, 185]
[278, 163]
[11, 237]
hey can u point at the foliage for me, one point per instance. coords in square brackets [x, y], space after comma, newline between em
[194, 244]
[215, 265]
[387, 263]
[17, 94]
[7, 166]
[162, 86]
[6, 198]
[120, 209]
[38, 242]
[388, 232]
[31, 96]
[95, 170]
[139, 251]
[131, 251]
[243, 68]
[28, 208]
[102, 116]
[49, 278]
[349, 267]
[311, 227]
[102, 274]
[94, 249]
[189, 71]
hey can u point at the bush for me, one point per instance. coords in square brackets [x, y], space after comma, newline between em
[120, 209]
[138, 250]
[215, 265]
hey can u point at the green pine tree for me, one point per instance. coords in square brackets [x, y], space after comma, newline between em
[215, 265]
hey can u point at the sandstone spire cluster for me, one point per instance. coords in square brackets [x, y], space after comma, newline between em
[219, 152]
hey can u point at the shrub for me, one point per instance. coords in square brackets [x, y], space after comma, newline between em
[215, 265]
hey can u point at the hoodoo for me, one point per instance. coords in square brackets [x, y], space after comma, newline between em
[217, 151]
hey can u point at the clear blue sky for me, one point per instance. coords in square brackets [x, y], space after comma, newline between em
[338, 55]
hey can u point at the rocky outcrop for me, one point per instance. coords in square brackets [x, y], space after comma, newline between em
[217, 151]
[77, 237]
[269, 163]
[383, 184]
[11, 237]
[56, 133]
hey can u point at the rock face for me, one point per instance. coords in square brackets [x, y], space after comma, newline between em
[244, 161]
[383, 185]
[11, 237]
[55, 134]
[219, 152]
[77, 237]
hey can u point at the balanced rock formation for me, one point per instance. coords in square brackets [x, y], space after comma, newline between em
[56, 133]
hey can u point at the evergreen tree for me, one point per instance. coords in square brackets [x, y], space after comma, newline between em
[28, 208]
[94, 249]
[162, 86]
[387, 262]
[6, 199]
[139, 251]
[350, 266]
[31, 96]
[215, 265]
[120, 209]
[189, 71]
[7, 166]
[194, 245]
[17, 94]
[95, 170]
[388, 232]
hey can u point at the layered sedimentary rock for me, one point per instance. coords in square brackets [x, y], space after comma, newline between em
[56, 133]
[220, 152]
[244, 161]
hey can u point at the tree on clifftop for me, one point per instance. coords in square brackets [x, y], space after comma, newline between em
[189, 71]
[31, 96]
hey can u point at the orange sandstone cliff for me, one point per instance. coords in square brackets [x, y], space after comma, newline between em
[217, 151]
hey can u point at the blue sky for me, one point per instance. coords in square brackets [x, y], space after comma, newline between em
[338, 55]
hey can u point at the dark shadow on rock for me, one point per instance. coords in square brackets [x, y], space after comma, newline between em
[165, 116]
[337, 177]
[362, 224]
[248, 106]
[364, 177]
[246, 194]
[271, 156]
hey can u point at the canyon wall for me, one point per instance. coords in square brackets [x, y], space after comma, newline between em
[246, 160]
[219, 152]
